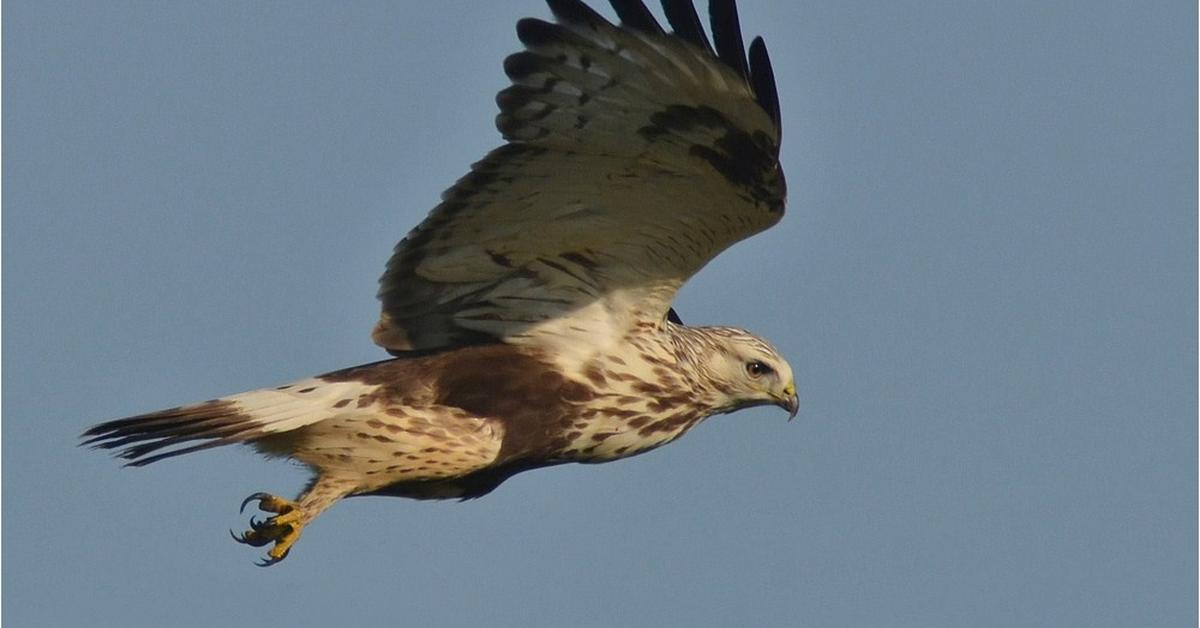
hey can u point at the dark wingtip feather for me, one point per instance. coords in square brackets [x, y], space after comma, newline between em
[534, 32]
[576, 12]
[683, 19]
[727, 35]
[635, 15]
[519, 65]
[762, 79]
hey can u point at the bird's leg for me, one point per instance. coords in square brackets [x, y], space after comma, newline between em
[284, 528]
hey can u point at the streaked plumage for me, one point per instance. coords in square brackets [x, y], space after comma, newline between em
[529, 313]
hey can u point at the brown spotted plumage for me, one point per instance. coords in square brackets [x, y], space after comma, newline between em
[529, 315]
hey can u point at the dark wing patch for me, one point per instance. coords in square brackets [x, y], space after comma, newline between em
[747, 160]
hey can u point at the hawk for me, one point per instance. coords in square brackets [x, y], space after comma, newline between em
[529, 315]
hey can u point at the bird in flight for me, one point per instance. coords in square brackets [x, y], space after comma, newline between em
[529, 315]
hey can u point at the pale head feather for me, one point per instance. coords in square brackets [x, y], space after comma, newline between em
[737, 368]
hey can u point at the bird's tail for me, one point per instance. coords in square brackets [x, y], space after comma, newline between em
[247, 417]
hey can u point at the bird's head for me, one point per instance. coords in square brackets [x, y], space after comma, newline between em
[748, 371]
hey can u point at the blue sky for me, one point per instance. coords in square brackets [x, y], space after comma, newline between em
[985, 282]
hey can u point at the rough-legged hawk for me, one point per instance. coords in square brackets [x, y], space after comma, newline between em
[529, 315]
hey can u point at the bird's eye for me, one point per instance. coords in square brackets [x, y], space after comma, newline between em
[757, 369]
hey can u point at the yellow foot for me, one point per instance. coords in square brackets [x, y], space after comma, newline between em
[283, 529]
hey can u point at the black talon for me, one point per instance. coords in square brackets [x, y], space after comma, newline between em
[262, 531]
[257, 496]
[268, 561]
[254, 541]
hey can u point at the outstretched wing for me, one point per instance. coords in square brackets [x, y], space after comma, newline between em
[633, 157]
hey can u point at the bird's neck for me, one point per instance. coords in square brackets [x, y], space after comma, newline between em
[693, 348]
[654, 393]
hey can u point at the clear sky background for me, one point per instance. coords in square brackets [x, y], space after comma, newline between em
[986, 282]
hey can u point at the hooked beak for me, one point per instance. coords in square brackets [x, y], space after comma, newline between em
[790, 401]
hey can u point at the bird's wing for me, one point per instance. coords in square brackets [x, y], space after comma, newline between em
[633, 157]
